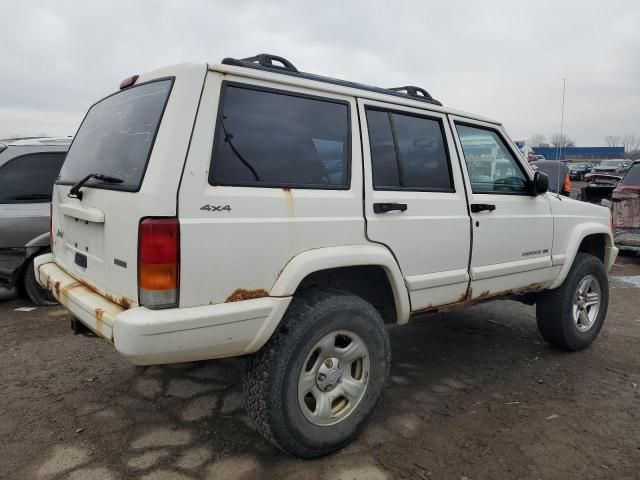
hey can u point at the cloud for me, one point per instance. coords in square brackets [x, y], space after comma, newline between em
[501, 59]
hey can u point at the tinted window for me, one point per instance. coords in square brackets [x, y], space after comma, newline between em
[117, 135]
[265, 138]
[414, 158]
[384, 164]
[29, 178]
[633, 176]
[491, 166]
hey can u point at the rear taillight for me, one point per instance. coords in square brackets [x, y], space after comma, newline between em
[567, 183]
[159, 262]
[51, 224]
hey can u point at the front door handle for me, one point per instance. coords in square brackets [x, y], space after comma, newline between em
[388, 207]
[480, 207]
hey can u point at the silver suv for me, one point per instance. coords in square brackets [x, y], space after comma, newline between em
[28, 169]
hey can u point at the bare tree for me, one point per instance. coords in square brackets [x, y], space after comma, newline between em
[538, 140]
[613, 140]
[562, 141]
[628, 142]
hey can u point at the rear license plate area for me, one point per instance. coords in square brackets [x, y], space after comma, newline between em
[81, 260]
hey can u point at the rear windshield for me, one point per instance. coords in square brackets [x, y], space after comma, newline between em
[633, 176]
[116, 137]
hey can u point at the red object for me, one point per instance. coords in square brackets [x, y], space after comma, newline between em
[127, 82]
[159, 253]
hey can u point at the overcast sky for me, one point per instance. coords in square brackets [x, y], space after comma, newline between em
[502, 59]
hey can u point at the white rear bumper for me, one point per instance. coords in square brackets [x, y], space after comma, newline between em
[147, 337]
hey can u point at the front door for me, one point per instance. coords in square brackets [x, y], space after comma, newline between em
[512, 228]
[415, 201]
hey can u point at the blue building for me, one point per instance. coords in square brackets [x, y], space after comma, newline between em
[580, 153]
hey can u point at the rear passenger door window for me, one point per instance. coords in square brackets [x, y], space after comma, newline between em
[29, 178]
[270, 138]
[408, 152]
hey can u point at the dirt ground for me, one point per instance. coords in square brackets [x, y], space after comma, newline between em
[473, 394]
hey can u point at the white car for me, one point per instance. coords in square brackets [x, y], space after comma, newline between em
[246, 208]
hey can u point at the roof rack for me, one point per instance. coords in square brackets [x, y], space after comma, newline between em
[265, 61]
[412, 91]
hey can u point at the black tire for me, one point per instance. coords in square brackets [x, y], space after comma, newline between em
[270, 385]
[554, 308]
[35, 292]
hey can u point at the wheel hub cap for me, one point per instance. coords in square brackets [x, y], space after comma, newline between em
[333, 378]
[329, 374]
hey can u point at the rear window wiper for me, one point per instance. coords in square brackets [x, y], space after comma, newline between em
[75, 190]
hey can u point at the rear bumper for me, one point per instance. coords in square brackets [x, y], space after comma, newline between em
[628, 240]
[147, 337]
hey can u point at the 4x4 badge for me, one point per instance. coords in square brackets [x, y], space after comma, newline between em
[216, 208]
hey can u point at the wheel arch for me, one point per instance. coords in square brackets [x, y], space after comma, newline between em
[593, 238]
[312, 263]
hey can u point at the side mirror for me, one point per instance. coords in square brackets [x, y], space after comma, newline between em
[540, 183]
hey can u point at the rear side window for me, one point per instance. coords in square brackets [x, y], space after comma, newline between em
[272, 139]
[116, 137]
[633, 176]
[408, 152]
[29, 178]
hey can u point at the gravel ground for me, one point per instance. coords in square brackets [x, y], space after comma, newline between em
[473, 394]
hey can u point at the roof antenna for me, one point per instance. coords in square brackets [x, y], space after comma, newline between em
[561, 139]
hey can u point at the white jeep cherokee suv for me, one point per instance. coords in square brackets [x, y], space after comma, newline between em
[247, 208]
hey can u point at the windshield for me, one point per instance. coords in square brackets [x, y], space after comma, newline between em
[578, 165]
[609, 163]
[116, 137]
[633, 176]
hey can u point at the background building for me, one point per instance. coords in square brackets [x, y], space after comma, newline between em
[579, 153]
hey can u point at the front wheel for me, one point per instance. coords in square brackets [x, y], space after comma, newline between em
[311, 388]
[571, 316]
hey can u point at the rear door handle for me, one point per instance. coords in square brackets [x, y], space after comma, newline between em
[388, 207]
[480, 207]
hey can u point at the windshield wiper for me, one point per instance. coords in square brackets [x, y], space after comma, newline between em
[75, 190]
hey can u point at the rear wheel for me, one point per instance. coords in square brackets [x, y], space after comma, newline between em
[34, 291]
[571, 316]
[311, 388]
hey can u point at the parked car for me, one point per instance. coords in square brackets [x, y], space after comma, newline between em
[600, 187]
[28, 169]
[618, 166]
[558, 174]
[625, 207]
[577, 171]
[248, 208]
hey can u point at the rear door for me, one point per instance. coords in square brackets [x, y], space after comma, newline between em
[415, 200]
[512, 228]
[139, 135]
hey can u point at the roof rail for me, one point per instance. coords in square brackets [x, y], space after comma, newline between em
[265, 61]
[412, 91]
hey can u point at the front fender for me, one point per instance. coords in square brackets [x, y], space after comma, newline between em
[325, 258]
[579, 233]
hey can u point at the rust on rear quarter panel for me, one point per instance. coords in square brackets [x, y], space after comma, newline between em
[242, 294]
[288, 195]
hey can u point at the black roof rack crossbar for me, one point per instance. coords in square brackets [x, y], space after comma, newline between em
[412, 91]
[265, 61]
